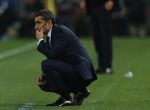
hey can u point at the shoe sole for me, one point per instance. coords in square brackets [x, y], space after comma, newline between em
[66, 103]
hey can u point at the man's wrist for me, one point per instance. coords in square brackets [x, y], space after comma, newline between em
[39, 41]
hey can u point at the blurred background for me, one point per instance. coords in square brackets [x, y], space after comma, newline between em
[132, 19]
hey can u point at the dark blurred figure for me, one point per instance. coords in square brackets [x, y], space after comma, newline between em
[136, 17]
[30, 7]
[70, 15]
[8, 18]
[64, 12]
[81, 21]
[100, 16]
[119, 20]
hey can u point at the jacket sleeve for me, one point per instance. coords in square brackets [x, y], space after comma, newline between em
[57, 46]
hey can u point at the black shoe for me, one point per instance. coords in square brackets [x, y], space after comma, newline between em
[100, 71]
[61, 102]
[104, 71]
[80, 96]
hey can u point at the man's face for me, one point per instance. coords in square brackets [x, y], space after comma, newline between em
[41, 23]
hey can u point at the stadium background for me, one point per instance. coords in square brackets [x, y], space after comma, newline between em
[20, 63]
[17, 17]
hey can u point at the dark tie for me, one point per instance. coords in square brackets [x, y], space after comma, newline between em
[47, 41]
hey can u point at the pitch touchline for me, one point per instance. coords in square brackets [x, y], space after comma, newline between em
[17, 50]
[26, 106]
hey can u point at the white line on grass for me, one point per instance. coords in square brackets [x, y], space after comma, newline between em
[17, 50]
[26, 106]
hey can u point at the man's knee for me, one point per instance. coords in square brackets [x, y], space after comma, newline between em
[45, 65]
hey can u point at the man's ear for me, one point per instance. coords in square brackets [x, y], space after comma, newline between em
[49, 22]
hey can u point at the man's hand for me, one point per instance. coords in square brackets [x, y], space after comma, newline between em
[39, 34]
[109, 5]
[82, 5]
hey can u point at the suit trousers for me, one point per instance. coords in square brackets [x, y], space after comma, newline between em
[61, 77]
[102, 35]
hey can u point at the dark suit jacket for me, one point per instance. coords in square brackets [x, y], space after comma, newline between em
[65, 46]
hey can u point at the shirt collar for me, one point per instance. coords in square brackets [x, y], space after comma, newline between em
[49, 33]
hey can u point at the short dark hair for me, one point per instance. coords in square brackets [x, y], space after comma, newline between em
[47, 15]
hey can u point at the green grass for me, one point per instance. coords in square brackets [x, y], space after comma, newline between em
[12, 43]
[18, 76]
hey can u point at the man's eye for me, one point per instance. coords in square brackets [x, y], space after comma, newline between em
[38, 22]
